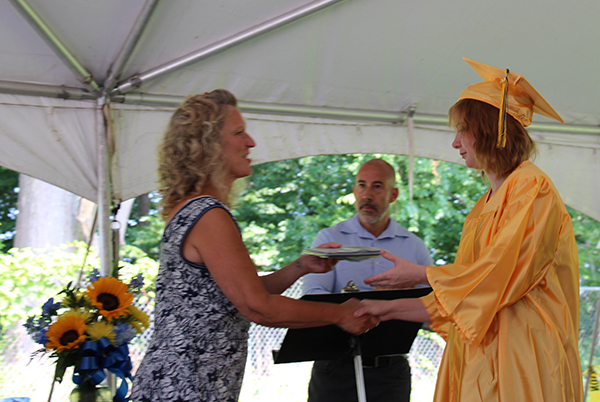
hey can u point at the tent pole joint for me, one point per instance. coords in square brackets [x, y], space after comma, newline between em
[133, 82]
[63, 94]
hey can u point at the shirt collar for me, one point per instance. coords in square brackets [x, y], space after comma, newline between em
[394, 229]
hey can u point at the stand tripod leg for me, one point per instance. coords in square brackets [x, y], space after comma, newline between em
[358, 371]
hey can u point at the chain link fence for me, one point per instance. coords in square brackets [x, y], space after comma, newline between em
[263, 380]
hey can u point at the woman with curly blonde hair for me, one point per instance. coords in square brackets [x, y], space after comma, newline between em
[194, 133]
[208, 289]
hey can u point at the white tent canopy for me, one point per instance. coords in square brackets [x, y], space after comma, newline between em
[319, 77]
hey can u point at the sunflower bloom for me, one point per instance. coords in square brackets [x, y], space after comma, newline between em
[141, 320]
[101, 329]
[66, 333]
[110, 296]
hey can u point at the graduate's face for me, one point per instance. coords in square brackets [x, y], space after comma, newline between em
[464, 143]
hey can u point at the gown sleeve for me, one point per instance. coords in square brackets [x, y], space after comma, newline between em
[505, 253]
[438, 323]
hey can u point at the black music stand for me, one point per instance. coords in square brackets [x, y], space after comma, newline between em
[331, 342]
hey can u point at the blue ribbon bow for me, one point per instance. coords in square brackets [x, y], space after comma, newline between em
[101, 355]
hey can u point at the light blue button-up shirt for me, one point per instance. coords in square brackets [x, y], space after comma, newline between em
[395, 239]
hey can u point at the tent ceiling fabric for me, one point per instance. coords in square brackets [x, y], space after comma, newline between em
[377, 55]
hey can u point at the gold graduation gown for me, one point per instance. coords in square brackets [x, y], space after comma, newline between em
[508, 307]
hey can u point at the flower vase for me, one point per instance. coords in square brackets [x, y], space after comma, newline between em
[88, 392]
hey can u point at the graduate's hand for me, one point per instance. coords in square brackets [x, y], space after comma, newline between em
[382, 309]
[399, 309]
[315, 264]
[404, 274]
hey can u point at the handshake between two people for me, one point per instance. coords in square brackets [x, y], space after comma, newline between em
[404, 274]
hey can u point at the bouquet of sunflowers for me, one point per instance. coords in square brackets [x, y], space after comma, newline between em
[89, 329]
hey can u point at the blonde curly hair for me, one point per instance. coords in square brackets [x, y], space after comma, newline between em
[189, 156]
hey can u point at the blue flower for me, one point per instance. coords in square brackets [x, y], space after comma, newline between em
[30, 324]
[50, 307]
[41, 336]
[136, 283]
[124, 333]
[94, 276]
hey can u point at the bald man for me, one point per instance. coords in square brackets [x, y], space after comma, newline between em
[387, 378]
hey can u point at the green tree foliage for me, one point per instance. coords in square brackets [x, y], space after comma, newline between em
[587, 316]
[27, 277]
[587, 234]
[145, 231]
[9, 183]
[287, 202]
[443, 195]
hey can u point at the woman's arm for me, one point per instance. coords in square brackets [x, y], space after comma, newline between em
[280, 280]
[216, 241]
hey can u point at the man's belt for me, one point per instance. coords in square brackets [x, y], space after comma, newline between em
[382, 361]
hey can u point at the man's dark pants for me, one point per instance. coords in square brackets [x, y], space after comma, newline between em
[387, 379]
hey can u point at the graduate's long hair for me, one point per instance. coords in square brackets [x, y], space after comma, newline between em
[480, 122]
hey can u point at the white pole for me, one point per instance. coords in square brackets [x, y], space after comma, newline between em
[358, 370]
[104, 195]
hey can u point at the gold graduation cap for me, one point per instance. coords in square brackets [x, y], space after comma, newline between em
[509, 92]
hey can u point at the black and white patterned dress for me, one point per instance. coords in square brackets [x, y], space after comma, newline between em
[198, 349]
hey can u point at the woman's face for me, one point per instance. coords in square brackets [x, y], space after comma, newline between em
[464, 144]
[236, 145]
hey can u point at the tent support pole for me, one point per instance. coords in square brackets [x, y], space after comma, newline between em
[104, 193]
[411, 153]
[224, 44]
[171, 101]
[52, 40]
[134, 35]
[48, 91]
[338, 113]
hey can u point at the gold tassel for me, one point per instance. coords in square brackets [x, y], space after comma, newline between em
[501, 143]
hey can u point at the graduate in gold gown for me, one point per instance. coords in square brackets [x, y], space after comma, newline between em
[508, 307]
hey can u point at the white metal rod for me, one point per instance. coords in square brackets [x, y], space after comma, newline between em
[411, 155]
[339, 113]
[130, 43]
[324, 112]
[172, 101]
[268, 108]
[360, 379]
[52, 40]
[227, 43]
[48, 91]
[104, 196]
[358, 371]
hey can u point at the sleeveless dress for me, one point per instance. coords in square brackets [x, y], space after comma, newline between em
[199, 346]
